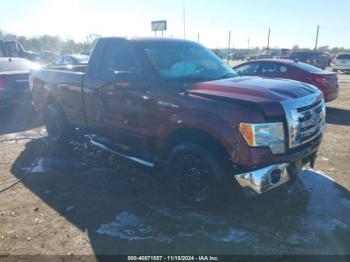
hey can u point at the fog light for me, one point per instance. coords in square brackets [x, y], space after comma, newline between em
[275, 176]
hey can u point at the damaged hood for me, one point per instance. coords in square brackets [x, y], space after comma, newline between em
[263, 92]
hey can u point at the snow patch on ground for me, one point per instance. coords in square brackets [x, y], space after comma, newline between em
[314, 210]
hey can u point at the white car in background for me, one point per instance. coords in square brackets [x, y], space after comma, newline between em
[341, 62]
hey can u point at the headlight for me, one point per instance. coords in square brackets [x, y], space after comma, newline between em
[268, 134]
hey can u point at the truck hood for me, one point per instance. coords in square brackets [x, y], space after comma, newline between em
[265, 93]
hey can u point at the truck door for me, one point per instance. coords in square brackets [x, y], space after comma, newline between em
[124, 112]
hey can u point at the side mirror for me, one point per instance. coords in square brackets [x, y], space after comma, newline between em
[127, 79]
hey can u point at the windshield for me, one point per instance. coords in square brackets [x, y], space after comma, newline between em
[186, 62]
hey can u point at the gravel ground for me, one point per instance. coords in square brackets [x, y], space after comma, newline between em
[85, 202]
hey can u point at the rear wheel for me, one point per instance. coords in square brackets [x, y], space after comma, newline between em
[195, 173]
[59, 131]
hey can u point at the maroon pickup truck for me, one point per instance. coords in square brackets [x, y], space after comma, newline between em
[172, 103]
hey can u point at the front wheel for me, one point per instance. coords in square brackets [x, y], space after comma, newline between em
[195, 173]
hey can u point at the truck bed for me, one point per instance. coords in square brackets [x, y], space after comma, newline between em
[77, 68]
[65, 86]
[57, 76]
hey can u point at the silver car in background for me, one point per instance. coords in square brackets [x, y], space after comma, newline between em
[341, 62]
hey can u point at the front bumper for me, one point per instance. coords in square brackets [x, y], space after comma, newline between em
[264, 179]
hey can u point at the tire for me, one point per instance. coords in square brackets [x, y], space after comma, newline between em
[59, 131]
[195, 174]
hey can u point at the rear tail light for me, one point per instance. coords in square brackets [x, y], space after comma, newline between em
[2, 83]
[321, 80]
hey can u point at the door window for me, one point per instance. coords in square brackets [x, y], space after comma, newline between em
[273, 68]
[119, 56]
[248, 69]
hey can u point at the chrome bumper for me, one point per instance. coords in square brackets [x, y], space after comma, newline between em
[262, 180]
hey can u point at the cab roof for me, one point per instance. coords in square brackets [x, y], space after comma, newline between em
[149, 39]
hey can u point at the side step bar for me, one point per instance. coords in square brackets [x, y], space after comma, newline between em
[135, 159]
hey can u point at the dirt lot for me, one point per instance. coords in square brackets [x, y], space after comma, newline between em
[80, 201]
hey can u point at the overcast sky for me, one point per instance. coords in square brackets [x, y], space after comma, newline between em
[291, 21]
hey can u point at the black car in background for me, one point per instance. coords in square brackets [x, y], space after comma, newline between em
[236, 56]
[310, 57]
[71, 60]
[15, 49]
[14, 82]
[48, 57]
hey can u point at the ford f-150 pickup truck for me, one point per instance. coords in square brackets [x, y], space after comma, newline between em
[174, 104]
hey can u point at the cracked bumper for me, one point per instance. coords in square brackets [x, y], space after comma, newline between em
[264, 179]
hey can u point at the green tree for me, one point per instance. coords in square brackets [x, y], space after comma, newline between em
[324, 48]
[295, 48]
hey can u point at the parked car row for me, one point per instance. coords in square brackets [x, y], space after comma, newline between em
[14, 73]
[310, 57]
[15, 49]
[318, 59]
[236, 56]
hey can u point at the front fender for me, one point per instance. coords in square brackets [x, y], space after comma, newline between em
[206, 122]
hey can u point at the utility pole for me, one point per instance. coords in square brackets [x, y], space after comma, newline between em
[268, 43]
[229, 43]
[184, 20]
[317, 32]
[198, 38]
[248, 43]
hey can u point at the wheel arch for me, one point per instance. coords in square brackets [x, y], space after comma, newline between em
[200, 137]
[52, 100]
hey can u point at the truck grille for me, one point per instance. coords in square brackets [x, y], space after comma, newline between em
[305, 119]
